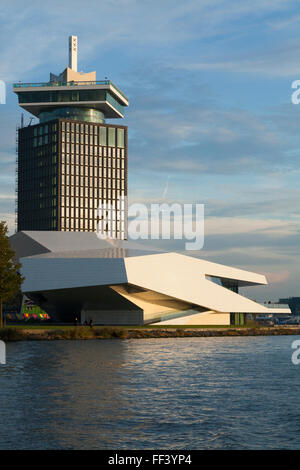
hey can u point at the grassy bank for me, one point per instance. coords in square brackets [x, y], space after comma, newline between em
[48, 333]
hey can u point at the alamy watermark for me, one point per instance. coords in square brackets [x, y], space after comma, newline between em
[154, 222]
[2, 352]
[296, 354]
[2, 92]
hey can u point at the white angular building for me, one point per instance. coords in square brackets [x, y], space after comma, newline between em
[118, 282]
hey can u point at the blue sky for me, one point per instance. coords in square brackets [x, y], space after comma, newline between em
[209, 84]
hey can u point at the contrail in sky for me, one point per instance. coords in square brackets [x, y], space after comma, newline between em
[166, 188]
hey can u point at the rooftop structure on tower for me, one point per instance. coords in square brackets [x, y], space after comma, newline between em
[72, 94]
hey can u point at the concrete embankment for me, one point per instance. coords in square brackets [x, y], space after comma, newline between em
[84, 333]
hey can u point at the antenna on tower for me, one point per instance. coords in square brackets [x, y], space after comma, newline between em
[73, 53]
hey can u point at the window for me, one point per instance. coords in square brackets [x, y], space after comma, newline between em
[121, 138]
[111, 136]
[102, 137]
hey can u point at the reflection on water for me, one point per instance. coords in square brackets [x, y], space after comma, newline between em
[181, 393]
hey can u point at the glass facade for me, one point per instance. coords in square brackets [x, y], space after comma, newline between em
[230, 284]
[72, 112]
[68, 96]
[67, 169]
[37, 178]
[238, 319]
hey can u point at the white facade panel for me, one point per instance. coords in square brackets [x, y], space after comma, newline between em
[182, 277]
[203, 318]
[50, 273]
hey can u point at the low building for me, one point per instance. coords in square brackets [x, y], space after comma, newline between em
[117, 282]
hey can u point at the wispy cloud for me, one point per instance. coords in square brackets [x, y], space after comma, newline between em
[277, 277]
[263, 63]
[238, 225]
[151, 24]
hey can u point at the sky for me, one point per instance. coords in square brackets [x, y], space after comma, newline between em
[210, 120]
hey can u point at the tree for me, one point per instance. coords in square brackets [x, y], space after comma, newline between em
[10, 277]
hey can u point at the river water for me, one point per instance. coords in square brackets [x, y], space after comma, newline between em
[176, 393]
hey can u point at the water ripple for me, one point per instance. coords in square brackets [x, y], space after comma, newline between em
[176, 393]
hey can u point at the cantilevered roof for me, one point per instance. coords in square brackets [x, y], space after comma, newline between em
[187, 264]
[183, 277]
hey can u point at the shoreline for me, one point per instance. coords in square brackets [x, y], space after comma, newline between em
[85, 333]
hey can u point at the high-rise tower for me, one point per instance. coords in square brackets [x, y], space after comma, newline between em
[72, 162]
